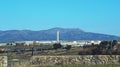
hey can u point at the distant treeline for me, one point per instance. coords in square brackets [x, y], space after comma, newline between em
[104, 48]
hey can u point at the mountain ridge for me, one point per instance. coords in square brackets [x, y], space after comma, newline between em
[50, 34]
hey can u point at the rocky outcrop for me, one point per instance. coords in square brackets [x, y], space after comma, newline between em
[62, 61]
[82, 59]
[3, 61]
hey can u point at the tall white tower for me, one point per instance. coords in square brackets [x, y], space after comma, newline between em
[58, 36]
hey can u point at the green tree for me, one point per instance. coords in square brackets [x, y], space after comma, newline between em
[57, 45]
[114, 42]
[68, 47]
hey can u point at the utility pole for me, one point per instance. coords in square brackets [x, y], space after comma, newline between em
[111, 46]
[32, 51]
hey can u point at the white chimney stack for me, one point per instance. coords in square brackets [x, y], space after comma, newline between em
[58, 36]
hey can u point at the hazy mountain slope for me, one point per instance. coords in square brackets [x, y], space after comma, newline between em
[50, 34]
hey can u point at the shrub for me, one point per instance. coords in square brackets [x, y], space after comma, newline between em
[56, 46]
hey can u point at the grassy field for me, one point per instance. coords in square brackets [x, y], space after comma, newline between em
[23, 58]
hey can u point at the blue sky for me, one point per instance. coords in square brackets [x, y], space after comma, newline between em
[100, 16]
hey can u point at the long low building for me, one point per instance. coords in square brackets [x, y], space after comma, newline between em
[73, 43]
[80, 43]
